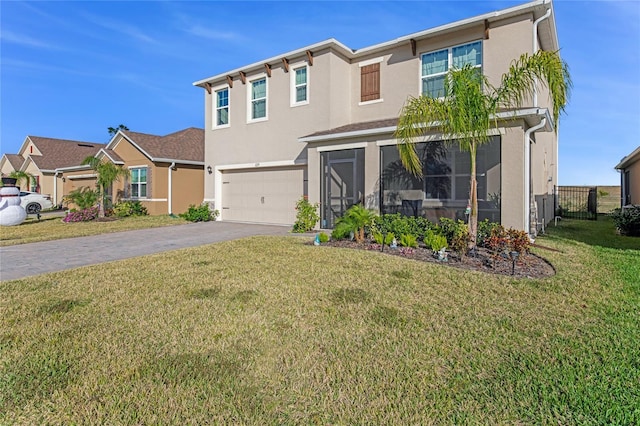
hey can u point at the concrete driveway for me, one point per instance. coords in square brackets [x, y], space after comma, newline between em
[25, 260]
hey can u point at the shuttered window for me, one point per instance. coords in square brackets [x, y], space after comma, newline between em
[370, 82]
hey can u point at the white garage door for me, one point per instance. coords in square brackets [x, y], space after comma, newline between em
[262, 196]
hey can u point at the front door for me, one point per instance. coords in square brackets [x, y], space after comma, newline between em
[342, 183]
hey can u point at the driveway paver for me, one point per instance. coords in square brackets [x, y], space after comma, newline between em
[24, 260]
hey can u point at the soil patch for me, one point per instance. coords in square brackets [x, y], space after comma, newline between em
[528, 266]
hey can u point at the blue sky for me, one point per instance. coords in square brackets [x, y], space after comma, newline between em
[70, 70]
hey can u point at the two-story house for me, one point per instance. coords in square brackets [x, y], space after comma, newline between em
[319, 122]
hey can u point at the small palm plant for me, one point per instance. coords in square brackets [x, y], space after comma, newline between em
[355, 220]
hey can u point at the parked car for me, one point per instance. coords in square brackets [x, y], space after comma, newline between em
[33, 203]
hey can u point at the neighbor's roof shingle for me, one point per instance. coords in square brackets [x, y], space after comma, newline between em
[15, 160]
[184, 145]
[58, 153]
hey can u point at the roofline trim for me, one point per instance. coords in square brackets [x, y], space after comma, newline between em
[628, 159]
[527, 113]
[354, 53]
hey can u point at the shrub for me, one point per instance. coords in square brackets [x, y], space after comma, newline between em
[408, 240]
[199, 214]
[129, 208]
[380, 238]
[84, 215]
[323, 237]
[82, 198]
[627, 220]
[399, 225]
[307, 215]
[484, 231]
[502, 241]
[434, 241]
[456, 232]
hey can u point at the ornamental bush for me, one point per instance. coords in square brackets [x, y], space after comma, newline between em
[129, 208]
[627, 220]
[84, 215]
[306, 217]
[201, 213]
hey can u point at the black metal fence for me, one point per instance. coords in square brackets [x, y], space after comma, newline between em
[577, 202]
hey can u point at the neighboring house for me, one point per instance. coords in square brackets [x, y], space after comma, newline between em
[41, 157]
[10, 163]
[319, 122]
[166, 172]
[629, 168]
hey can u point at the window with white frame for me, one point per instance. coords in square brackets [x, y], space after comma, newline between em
[138, 182]
[258, 99]
[435, 65]
[300, 86]
[222, 107]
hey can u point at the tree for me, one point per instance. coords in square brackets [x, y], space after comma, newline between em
[107, 174]
[113, 130]
[20, 176]
[467, 114]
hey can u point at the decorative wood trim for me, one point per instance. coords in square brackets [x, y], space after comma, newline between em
[310, 57]
[243, 77]
[285, 64]
[230, 81]
[207, 87]
[486, 29]
[268, 68]
[413, 46]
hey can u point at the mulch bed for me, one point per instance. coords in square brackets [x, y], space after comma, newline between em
[527, 266]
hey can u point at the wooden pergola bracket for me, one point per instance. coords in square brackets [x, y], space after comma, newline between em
[413, 46]
[243, 77]
[230, 81]
[486, 29]
[207, 87]
[267, 67]
[285, 64]
[310, 57]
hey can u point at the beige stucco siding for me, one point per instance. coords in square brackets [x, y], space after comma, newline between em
[187, 188]
[634, 182]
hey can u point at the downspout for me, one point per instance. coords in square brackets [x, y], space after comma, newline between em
[535, 49]
[55, 187]
[170, 188]
[527, 173]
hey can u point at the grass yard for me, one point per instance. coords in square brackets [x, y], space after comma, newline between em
[269, 330]
[52, 228]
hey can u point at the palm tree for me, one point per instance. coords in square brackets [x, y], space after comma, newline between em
[20, 175]
[467, 112]
[107, 174]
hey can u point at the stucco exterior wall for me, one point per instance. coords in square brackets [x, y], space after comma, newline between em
[334, 100]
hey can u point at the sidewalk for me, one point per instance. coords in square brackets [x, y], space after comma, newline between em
[25, 260]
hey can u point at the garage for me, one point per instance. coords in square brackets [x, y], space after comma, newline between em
[262, 196]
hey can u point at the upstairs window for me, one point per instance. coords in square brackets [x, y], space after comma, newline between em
[435, 65]
[258, 99]
[139, 182]
[370, 82]
[222, 107]
[299, 86]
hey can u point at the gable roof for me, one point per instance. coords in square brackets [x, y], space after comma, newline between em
[184, 146]
[58, 153]
[15, 160]
[547, 33]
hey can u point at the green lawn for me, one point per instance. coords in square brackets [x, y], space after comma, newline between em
[270, 330]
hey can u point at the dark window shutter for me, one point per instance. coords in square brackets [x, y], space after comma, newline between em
[370, 82]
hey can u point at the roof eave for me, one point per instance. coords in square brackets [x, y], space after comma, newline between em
[532, 116]
[258, 65]
[629, 159]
